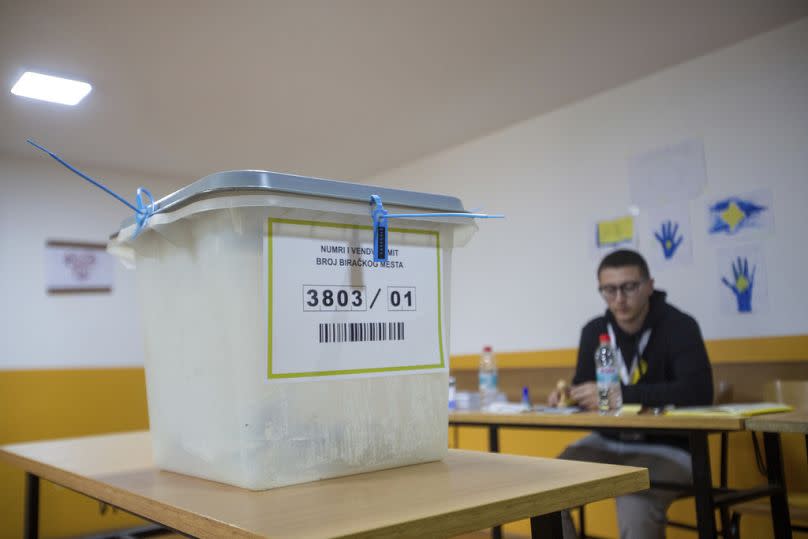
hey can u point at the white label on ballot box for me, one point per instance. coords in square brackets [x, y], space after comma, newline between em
[333, 311]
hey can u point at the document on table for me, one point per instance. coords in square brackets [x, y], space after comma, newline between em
[724, 410]
[561, 410]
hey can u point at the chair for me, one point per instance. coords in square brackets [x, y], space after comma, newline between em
[794, 393]
[791, 392]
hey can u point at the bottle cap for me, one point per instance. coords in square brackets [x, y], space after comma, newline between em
[604, 338]
[486, 348]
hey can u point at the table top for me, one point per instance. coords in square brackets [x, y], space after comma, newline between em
[796, 421]
[467, 491]
[593, 420]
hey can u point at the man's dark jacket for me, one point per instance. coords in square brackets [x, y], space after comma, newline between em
[678, 370]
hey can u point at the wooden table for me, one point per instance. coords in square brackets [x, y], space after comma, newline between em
[771, 425]
[465, 492]
[696, 428]
[796, 421]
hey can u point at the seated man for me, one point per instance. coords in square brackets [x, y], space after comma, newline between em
[662, 361]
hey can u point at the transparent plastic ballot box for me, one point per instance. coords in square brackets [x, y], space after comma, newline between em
[277, 351]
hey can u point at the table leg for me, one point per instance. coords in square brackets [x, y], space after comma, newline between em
[31, 524]
[774, 465]
[546, 526]
[493, 447]
[726, 519]
[703, 484]
[493, 438]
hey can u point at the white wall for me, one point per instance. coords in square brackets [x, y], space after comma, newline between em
[529, 282]
[524, 283]
[41, 200]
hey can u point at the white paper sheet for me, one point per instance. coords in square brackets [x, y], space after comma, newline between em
[336, 312]
[662, 176]
[609, 234]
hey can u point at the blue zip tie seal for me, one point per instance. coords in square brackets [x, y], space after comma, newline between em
[143, 211]
[379, 216]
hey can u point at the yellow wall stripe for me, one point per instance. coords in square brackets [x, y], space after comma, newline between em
[758, 349]
[54, 403]
[60, 403]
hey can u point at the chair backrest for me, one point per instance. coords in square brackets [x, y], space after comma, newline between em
[723, 392]
[791, 392]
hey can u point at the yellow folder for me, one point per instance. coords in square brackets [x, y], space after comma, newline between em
[739, 410]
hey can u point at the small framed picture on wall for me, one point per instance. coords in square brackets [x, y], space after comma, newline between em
[73, 267]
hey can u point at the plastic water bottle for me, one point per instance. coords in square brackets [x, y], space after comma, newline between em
[452, 394]
[487, 376]
[610, 396]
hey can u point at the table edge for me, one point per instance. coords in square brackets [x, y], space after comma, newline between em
[682, 423]
[119, 497]
[518, 507]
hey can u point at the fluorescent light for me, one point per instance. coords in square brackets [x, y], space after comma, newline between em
[53, 89]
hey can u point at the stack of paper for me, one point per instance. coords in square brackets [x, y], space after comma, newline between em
[739, 410]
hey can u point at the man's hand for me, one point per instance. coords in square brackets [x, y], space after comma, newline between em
[586, 395]
[560, 395]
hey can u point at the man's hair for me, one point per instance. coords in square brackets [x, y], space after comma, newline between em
[622, 258]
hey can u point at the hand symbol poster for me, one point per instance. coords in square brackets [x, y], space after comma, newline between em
[667, 236]
[741, 281]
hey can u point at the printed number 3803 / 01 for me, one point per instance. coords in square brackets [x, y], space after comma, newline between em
[333, 298]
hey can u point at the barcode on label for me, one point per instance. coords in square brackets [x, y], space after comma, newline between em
[361, 331]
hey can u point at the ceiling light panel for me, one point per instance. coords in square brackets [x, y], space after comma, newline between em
[53, 89]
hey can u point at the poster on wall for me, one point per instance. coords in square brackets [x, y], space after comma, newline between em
[667, 236]
[611, 234]
[743, 216]
[666, 175]
[741, 280]
[77, 267]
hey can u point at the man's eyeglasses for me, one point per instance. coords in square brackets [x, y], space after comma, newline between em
[629, 288]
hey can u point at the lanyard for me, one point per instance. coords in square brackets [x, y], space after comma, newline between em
[625, 374]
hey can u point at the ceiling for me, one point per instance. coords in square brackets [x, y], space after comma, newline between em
[338, 89]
